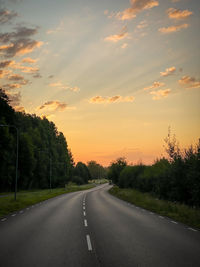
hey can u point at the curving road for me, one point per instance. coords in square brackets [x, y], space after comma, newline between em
[92, 228]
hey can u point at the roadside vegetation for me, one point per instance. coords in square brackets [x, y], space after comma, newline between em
[174, 179]
[28, 198]
[178, 212]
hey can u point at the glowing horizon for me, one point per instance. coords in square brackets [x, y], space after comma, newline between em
[112, 75]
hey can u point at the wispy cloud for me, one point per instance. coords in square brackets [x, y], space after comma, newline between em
[54, 106]
[63, 86]
[123, 46]
[112, 99]
[11, 86]
[174, 28]
[178, 14]
[143, 24]
[6, 63]
[19, 47]
[29, 60]
[4, 73]
[118, 37]
[154, 85]
[189, 82]
[136, 7]
[6, 16]
[15, 77]
[15, 98]
[168, 71]
[160, 94]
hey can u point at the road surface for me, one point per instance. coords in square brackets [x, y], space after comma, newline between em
[93, 228]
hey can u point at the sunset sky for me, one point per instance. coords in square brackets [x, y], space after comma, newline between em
[113, 75]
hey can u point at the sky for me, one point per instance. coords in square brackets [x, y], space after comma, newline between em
[113, 75]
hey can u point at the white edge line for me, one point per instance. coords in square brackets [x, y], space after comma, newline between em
[14, 215]
[174, 222]
[161, 217]
[4, 219]
[89, 242]
[192, 229]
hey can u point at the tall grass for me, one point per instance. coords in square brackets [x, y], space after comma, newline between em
[178, 212]
[27, 198]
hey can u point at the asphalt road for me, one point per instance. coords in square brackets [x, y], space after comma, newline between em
[91, 229]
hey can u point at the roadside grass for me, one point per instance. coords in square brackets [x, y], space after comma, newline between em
[179, 212]
[28, 198]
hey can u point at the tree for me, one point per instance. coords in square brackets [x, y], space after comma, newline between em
[115, 169]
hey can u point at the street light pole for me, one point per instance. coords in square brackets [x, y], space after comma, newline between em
[17, 152]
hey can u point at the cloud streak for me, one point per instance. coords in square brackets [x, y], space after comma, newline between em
[160, 94]
[178, 14]
[174, 28]
[118, 37]
[136, 7]
[189, 82]
[54, 106]
[154, 85]
[110, 100]
[6, 16]
[168, 71]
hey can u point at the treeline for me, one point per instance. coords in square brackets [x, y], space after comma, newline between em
[176, 178]
[44, 159]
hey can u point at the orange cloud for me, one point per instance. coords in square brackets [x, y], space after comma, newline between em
[61, 85]
[136, 7]
[174, 13]
[19, 47]
[160, 94]
[124, 45]
[4, 73]
[171, 29]
[29, 60]
[189, 82]
[168, 71]
[142, 24]
[117, 37]
[154, 85]
[12, 86]
[15, 77]
[6, 63]
[54, 106]
[112, 99]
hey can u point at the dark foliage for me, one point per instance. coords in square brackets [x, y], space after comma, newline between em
[43, 151]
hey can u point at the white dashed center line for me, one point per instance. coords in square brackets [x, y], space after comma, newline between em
[89, 242]
[84, 207]
[85, 223]
[84, 213]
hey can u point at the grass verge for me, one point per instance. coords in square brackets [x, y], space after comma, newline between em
[178, 212]
[28, 198]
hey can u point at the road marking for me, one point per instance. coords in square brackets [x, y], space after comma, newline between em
[151, 213]
[137, 208]
[4, 219]
[21, 211]
[27, 208]
[84, 207]
[14, 215]
[192, 229]
[89, 242]
[174, 222]
[85, 223]
[161, 217]
[84, 213]
[33, 206]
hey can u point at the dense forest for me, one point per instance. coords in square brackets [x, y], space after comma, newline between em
[44, 159]
[175, 178]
